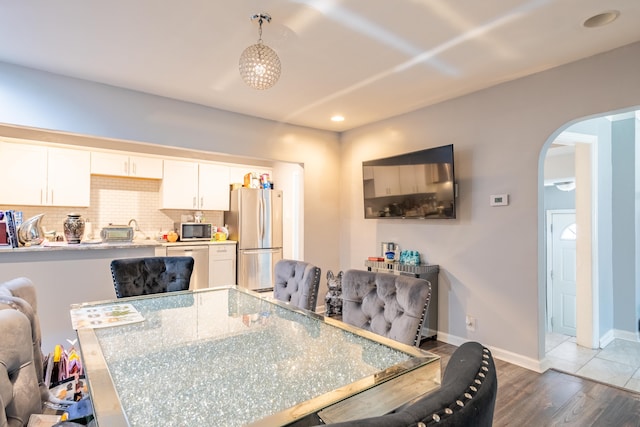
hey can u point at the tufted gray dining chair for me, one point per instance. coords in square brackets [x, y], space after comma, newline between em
[19, 391]
[151, 275]
[467, 396]
[297, 283]
[390, 305]
[22, 387]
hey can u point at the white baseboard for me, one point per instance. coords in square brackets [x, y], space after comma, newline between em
[498, 353]
[625, 335]
[606, 339]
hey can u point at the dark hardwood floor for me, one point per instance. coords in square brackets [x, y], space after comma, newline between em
[526, 398]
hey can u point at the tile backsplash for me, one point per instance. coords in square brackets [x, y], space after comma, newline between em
[117, 200]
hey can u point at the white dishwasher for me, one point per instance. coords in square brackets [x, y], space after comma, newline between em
[200, 254]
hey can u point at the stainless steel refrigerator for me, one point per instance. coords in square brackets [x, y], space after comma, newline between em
[255, 222]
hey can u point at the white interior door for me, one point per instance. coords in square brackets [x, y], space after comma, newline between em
[562, 274]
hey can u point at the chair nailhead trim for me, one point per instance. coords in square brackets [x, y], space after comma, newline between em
[467, 396]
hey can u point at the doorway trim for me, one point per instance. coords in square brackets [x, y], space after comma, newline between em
[586, 172]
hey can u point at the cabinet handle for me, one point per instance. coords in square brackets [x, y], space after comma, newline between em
[134, 169]
[51, 201]
[125, 166]
[194, 202]
[41, 196]
[201, 202]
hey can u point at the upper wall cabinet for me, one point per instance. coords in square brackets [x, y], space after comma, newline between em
[44, 176]
[191, 185]
[386, 180]
[117, 164]
[413, 179]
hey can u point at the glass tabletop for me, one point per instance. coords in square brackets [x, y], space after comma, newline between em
[228, 357]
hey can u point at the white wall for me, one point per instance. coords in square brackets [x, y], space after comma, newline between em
[489, 256]
[558, 168]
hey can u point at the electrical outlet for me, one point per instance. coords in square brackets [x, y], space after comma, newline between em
[471, 323]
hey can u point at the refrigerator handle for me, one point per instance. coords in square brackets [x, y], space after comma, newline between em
[261, 231]
[260, 251]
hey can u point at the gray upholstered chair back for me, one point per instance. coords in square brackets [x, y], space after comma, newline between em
[151, 275]
[387, 304]
[19, 390]
[20, 294]
[467, 396]
[297, 283]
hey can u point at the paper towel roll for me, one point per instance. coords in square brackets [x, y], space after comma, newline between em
[88, 231]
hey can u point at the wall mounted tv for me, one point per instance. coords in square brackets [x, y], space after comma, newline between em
[413, 185]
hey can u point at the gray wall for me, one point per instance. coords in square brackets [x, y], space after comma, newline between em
[42, 100]
[490, 257]
[623, 224]
[604, 218]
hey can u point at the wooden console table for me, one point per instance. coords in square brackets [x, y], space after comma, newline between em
[428, 272]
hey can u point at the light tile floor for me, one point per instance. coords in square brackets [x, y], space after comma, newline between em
[617, 364]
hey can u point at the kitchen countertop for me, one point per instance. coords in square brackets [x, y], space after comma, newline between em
[200, 242]
[64, 246]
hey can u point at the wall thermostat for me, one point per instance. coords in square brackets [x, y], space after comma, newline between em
[499, 200]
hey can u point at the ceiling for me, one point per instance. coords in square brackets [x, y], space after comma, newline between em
[364, 59]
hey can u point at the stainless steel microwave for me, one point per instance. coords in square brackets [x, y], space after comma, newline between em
[195, 231]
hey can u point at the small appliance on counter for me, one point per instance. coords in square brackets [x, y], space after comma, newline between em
[116, 234]
[389, 251]
[194, 231]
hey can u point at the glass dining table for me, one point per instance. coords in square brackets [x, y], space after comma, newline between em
[231, 357]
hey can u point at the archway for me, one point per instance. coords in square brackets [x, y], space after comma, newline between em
[605, 174]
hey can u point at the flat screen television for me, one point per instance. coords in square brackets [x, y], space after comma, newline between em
[414, 185]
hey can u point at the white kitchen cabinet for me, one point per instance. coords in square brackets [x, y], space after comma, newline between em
[222, 264]
[386, 181]
[213, 187]
[413, 179]
[122, 164]
[192, 185]
[45, 176]
[179, 189]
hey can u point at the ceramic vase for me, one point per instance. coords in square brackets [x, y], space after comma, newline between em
[73, 228]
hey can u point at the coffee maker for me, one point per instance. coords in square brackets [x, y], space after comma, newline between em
[389, 251]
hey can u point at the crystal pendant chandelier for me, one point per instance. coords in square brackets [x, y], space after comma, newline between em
[259, 64]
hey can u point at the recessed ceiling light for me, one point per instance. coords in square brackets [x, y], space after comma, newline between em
[601, 19]
[337, 119]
